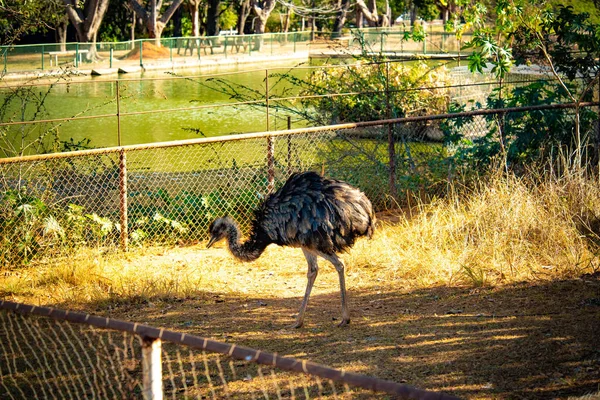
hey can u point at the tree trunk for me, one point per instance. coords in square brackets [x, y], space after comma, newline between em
[177, 32]
[243, 10]
[340, 19]
[286, 20]
[387, 17]
[445, 15]
[413, 14]
[370, 13]
[194, 7]
[259, 29]
[61, 33]
[262, 9]
[87, 20]
[374, 20]
[212, 18]
[155, 23]
[359, 18]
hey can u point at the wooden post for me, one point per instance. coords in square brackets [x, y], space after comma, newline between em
[123, 199]
[152, 369]
[391, 144]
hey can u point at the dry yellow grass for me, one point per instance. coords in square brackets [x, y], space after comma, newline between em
[506, 230]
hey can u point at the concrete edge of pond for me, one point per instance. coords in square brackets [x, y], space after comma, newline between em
[156, 65]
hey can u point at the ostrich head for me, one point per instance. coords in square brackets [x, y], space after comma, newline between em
[219, 229]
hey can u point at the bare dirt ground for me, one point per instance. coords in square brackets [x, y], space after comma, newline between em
[518, 341]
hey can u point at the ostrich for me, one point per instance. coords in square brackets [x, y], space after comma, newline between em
[321, 216]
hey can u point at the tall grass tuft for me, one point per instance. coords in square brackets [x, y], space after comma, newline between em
[505, 229]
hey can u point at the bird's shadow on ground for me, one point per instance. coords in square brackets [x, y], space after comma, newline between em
[518, 341]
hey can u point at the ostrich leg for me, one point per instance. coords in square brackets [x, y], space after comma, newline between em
[339, 266]
[313, 270]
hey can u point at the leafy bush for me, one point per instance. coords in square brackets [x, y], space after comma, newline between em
[520, 137]
[32, 228]
[158, 216]
[413, 91]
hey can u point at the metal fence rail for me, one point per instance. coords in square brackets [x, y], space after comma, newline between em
[170, 192]
[52, 353]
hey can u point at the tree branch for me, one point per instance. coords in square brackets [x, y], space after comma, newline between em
[170, 11]
[372, 17]
[138, 9]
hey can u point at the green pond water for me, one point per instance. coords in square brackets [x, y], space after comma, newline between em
[172, 102]
[159, 92]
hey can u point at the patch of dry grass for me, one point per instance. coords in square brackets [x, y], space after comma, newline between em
[506, 230]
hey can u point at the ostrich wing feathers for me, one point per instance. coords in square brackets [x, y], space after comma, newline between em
[314, 212]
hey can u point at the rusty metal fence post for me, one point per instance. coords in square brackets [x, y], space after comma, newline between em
[270, 143]
[391, 143]
[289, 146]
[118, 92]
[123, 199]
[267, 96]
[270, 164]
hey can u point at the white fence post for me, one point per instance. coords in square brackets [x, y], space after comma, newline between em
[152, 369]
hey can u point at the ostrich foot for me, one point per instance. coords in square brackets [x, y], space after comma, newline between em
[297, 324]
[344, 322]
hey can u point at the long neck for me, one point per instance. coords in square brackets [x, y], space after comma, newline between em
[250, 250]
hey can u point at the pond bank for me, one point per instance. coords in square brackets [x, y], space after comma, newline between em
[131, 67]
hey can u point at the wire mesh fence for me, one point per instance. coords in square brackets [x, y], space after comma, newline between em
[45, 358]
[169, 193]
[49, 353]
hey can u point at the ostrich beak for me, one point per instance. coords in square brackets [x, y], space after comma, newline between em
[210, 242]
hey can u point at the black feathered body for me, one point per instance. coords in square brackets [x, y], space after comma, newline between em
[313, 212]
[322, 216]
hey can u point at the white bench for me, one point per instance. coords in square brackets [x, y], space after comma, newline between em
[55, 54]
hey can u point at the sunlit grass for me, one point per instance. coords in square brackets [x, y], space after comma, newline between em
[505, 230]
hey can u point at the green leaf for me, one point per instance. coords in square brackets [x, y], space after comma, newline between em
[476, 63]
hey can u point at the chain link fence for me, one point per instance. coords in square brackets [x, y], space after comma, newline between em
[55, 354]
[169, 193]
